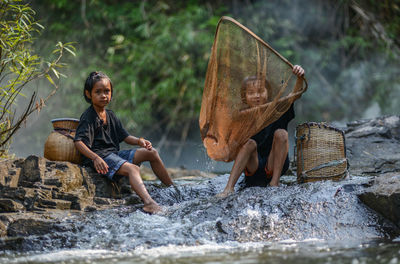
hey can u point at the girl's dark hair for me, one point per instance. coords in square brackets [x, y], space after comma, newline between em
[91, 80]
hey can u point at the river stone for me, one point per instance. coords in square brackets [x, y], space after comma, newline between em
[384, 196]
[8, 205]
[33, 170]
[29, 226]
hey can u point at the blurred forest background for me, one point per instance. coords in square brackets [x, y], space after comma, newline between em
[156, 53]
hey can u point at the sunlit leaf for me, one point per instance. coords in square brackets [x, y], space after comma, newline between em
[50, 79]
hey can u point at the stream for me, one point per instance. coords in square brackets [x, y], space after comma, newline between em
[320, 222]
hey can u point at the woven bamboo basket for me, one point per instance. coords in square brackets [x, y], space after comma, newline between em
[60, 145]
[320, 153]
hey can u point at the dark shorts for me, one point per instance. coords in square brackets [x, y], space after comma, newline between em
[115, 161]
[260, 177]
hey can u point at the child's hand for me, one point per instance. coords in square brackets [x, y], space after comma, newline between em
[298, 70]
[100, 165]
[145, 144]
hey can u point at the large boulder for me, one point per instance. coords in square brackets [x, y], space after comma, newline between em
[384, 196]
[373, 146]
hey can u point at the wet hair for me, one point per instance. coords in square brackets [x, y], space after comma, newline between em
[91, 80]
[244, 86]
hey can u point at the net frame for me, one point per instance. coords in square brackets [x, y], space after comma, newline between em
[225, 122]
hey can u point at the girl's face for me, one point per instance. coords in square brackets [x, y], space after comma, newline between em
[100, 94]
[256, 93]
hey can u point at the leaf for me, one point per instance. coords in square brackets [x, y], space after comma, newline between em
[39, 25]
[70, 51]
[55, 73]
[50, 79]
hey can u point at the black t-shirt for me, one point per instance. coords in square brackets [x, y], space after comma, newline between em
[102, 139]
[265, 136]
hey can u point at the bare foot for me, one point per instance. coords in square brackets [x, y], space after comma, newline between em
[152, 208]
[274, 184]
[224, 194]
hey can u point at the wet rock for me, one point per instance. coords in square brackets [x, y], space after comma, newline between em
[28, 226]
[13, 243]
[90, 209]
[133, 200]
[373, 146]
[384, 196]
[8, 205]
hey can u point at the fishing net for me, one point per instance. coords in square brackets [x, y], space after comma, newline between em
[248, 86]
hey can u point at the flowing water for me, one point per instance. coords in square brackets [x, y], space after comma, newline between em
[321, 222]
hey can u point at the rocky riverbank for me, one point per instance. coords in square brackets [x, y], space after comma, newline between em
[37, 195]
[373, 149]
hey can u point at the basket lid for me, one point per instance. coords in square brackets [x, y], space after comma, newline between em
[66, 123]
[64, 119]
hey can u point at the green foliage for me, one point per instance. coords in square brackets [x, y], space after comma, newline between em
[20, 65]
[167, 56]
[155, 52]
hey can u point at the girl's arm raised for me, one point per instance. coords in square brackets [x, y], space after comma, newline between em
[99, 164]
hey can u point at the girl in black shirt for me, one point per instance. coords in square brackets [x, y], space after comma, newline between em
[99, 134]
[264, 157]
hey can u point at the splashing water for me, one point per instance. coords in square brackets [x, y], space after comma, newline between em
[321, 221]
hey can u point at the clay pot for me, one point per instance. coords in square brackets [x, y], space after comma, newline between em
[59, 145]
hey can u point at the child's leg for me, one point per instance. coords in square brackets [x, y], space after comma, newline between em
[247, 157]
[278, 154]
[156, 163]
[132, 172]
